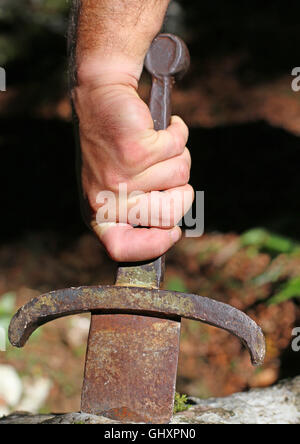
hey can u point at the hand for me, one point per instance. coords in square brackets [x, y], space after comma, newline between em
[120, 145]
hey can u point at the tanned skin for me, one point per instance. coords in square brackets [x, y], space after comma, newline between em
[108, 43]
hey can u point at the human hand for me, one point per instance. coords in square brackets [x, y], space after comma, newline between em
[120, 146]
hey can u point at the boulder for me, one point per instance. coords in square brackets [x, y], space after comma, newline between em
[279, 404]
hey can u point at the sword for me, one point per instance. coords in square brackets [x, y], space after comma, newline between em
[133, 345]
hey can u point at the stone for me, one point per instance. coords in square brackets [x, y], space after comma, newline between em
[279, 404]
[11, 387]
[35, 394]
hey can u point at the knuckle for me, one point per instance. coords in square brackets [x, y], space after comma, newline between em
[184, 130]
[188, 156]
[180, 142]
[183, 172]
[189, 197]
[179, 145]
[191, 193]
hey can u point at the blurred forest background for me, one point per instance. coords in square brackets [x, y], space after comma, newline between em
[245, 126]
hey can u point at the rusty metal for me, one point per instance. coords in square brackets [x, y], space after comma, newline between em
[168, 59]
[129, 367]
[133, 346]
[152, 302]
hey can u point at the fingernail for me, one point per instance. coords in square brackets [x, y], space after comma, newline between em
[175, 234]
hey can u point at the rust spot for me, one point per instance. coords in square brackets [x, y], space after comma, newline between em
[131, 367]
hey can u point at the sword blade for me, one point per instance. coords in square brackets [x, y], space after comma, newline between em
[131, 368]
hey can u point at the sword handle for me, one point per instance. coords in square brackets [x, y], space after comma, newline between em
[160, 102]
[167, 59]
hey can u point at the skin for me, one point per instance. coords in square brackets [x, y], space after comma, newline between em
[117, 138]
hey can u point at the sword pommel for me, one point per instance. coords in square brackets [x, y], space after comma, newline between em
[168, 56]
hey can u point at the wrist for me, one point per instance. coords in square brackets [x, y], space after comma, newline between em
[116, 38]
[98, 69]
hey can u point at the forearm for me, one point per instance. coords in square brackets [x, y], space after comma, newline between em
[115, 34]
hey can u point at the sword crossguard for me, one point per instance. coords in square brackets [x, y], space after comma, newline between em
[138, 301]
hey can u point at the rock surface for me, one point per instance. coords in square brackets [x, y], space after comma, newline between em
[279, 404]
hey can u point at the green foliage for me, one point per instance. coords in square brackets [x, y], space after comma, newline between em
[7, 308]
[289, 290]
[264, 240]
[260, 239]
[176, 284]
[45, 410]
[271, 275]
[180, 403]
[7, 304]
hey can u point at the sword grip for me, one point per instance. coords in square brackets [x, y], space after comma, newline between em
[168, 58]
[160, 101]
